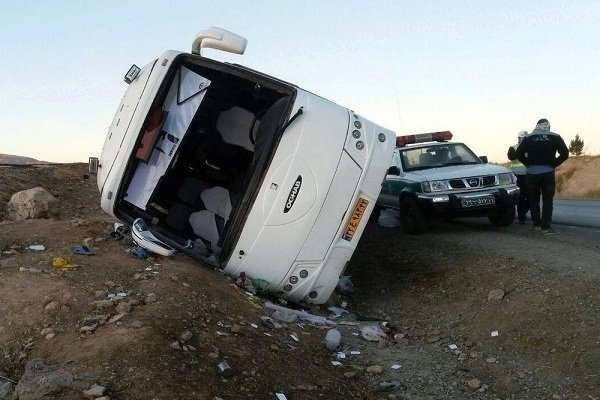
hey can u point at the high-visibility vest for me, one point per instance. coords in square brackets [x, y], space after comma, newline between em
[517, 166]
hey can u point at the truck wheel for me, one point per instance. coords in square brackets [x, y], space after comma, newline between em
[504, 216]
[411, 217]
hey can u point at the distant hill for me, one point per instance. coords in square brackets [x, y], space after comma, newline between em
[19, 160]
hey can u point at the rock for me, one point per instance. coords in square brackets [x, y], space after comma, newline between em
[115, 318]
[375, 369]
[185, 336]
[474, 383]
[150, 298]
[495, 295]
[53, 305]
[123, 307]
[137, 324]
[433, 339]
[30, 269]
[41, 379]
[88, 242]
[93, 392]
[103, 303]
[66, 298]
[235, 329]
[33, 203]
[88, 328]
[46, 331]
[175, 345]
[386, 386]
[270, 323]
[6, 386]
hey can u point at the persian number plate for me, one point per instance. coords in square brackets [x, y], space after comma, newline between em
[357, 215]
[478, 201]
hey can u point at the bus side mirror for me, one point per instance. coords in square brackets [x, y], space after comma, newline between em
[219, 39]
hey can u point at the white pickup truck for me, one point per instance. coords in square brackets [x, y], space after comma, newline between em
[243, 171]
[431, 177]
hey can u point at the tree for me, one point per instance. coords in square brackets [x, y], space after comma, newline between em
[576, 146]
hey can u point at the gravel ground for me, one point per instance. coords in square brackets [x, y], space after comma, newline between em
[472, 311]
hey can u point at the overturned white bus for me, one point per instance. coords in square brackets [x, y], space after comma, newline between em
[241, 170]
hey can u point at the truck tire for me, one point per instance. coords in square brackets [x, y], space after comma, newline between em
[504, 217]
[411, 217]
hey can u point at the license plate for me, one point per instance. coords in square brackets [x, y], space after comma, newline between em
[357, 215]
[478, 201]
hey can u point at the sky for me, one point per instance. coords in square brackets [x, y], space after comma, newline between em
[484, 70]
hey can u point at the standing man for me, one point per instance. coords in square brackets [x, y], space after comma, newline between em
[538, 153]
[520, 172]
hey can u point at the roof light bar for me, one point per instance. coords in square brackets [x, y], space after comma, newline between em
[402, 141]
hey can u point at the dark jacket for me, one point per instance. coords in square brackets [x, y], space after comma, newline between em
[540, 148]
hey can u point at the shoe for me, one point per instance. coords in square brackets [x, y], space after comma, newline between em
[537, 228]
[550, 231]
[84, 250]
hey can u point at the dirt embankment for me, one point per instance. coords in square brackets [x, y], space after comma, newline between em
[578, 178]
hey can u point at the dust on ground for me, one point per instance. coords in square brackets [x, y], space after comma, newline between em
[432, 288]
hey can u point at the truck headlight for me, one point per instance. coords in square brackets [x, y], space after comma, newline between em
[434, 186]
[506, 178]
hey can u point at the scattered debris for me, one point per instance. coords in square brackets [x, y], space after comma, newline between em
[225, 369]
[337, 311]
[333, 339]
[372, 333]
[139, 252]
[83, 250]
[119, 231]
[301, 314]
[63, 263]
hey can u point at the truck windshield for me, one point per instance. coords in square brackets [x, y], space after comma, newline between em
[437, 155]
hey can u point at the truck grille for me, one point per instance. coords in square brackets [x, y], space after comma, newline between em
[473, 182]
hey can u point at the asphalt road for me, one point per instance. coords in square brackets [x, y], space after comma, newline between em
[584, 213]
